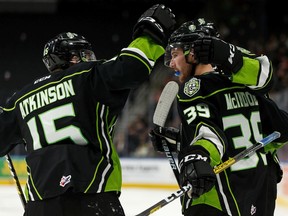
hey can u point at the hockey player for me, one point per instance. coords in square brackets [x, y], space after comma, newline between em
[221, 118]
[66, 119]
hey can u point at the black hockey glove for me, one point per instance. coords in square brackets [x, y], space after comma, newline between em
[170, 134]
[212, 50]
[195, 169]
[158, 22]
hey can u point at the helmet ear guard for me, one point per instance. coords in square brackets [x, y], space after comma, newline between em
[59, 51]
[53, 62]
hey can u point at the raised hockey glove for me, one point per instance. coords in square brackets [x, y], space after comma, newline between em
[158, 22]
[196, 170]
[212, 50]
[169, 134]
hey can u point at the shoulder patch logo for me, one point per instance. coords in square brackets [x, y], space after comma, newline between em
[192, 87]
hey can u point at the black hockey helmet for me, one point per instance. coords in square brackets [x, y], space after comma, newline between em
[59, 51]
[187, 33]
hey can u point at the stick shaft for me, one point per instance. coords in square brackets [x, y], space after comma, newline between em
[165, 201]
[15, 177]
[247, 152]
[172, 161]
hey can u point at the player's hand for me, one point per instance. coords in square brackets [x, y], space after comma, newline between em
[169, 135]
[196, 170]
[158, 22]
[212, 50]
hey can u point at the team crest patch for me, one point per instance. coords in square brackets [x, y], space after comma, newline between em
[65, 180]
[192, 87]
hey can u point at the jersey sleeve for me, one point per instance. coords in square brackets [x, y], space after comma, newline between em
[206, 137]
[256, 72]
[132, 66]
[145, 44]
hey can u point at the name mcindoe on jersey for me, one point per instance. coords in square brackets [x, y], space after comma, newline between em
[240, 99]
[46, 96]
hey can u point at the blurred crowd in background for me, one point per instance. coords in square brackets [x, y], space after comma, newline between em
[108, 26]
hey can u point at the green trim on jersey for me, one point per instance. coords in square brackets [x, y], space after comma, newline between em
[44, 86]
[211, 148]
[33, 185]
[152, 50]
[231, 192]
[94, 176]
[100, 145]
[243, 77]
[252, 71]
[210, 198]
[98, 130]
[273, 147]
[114, 181]
[215, 155]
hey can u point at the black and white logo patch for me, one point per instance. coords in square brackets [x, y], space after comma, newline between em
[192, 87]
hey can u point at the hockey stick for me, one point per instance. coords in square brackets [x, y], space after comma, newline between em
[249, 151]
[15, 177]
[160, 115]
[164, 103]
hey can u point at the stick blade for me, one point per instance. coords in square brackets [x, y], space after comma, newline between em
[164, 103]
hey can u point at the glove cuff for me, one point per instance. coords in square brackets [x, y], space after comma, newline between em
[227, 56]
[168, 135]
[237, 62]
[142, 30]
[191, 157]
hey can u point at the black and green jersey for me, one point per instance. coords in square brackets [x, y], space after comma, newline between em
[225, 119]
[67, 121]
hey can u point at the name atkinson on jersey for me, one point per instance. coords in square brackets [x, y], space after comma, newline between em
[46, 96]
[240, 99]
